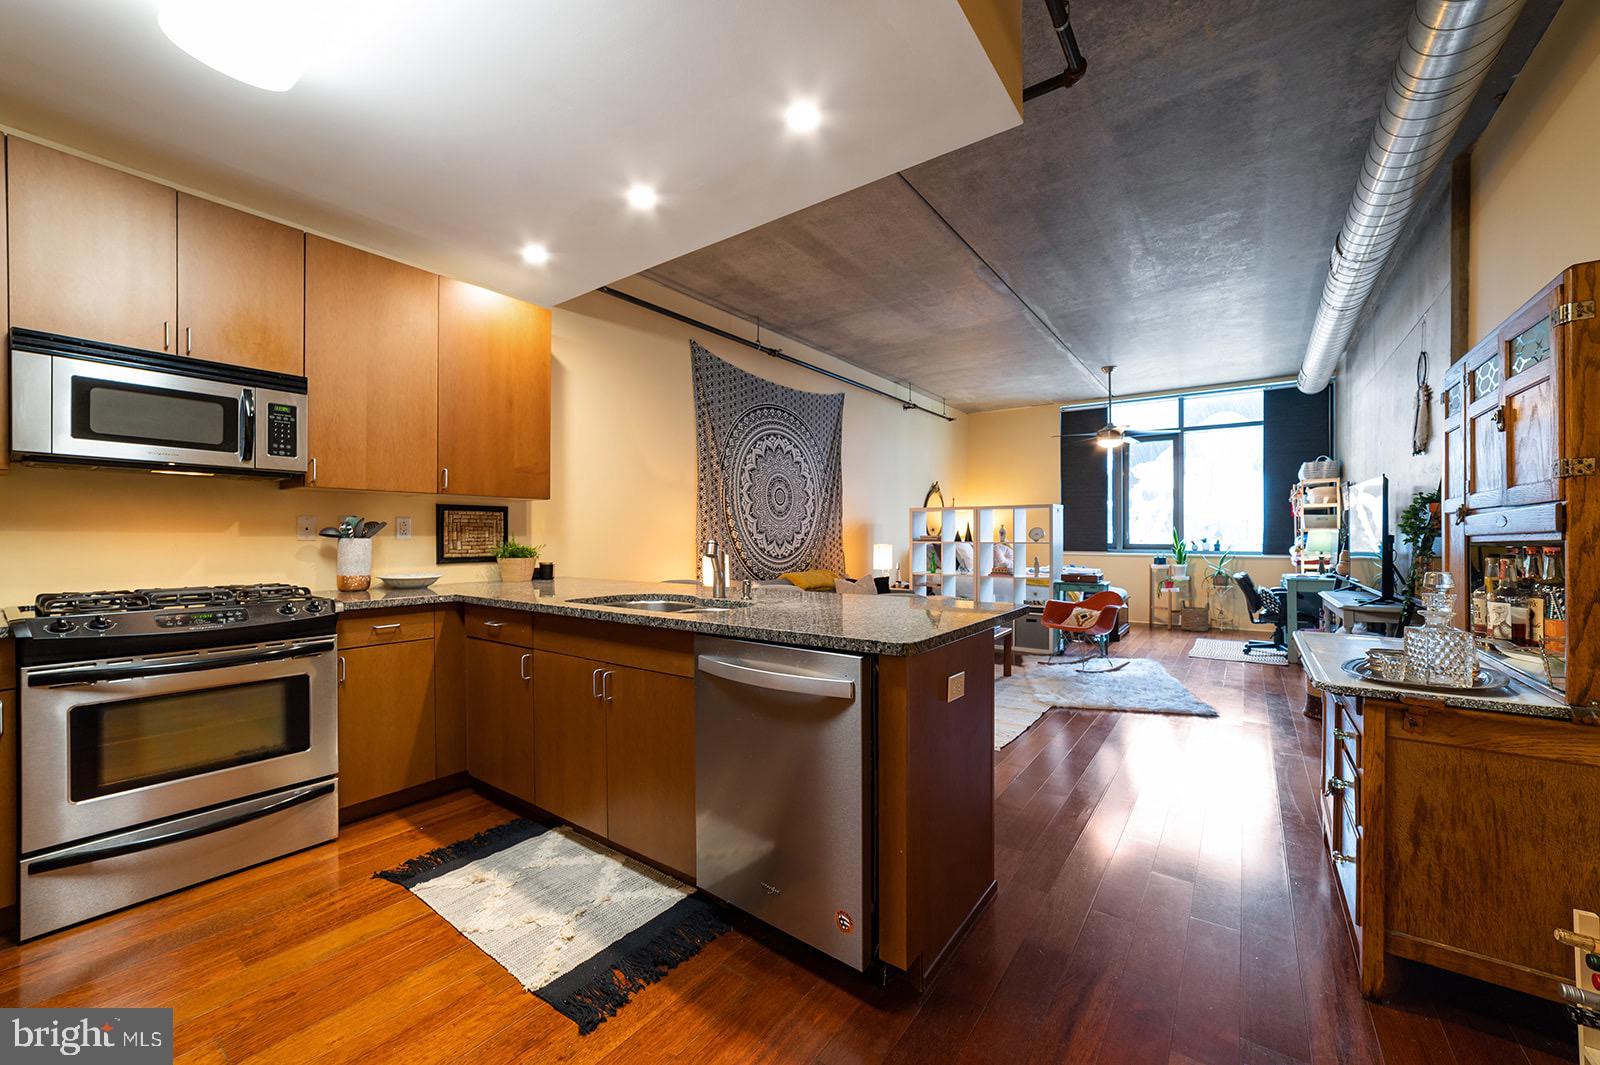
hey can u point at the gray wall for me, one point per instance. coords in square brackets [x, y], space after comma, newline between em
[1377, 378]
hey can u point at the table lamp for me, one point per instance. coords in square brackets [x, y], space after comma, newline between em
[882, 558]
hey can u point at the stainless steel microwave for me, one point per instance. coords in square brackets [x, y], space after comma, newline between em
[80, 401]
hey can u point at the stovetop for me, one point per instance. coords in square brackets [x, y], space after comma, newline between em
[153, 620]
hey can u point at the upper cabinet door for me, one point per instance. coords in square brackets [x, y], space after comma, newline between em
[372, 344]
[241, 288]
[494, 394]
[94, 251]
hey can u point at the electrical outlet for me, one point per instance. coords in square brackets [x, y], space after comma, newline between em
[305, 527]
[402, 528]
[955, 687]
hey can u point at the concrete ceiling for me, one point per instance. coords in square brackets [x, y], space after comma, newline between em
[448, 134]
[1172, 213]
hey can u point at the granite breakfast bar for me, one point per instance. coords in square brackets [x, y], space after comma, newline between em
[505, 717]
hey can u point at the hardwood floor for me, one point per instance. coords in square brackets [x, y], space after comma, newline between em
[1163, 898]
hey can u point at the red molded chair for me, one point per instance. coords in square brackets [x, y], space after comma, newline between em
[1097, 630]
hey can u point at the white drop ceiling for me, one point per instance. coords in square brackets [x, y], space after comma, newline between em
[451, 134]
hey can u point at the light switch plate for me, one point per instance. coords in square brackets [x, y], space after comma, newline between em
[305, 527]
[402, 528]
[955, 687]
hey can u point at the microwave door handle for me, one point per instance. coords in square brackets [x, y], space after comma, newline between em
[73, 678]
[247, 426]
[98, 852]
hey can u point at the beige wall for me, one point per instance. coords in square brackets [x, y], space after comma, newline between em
[623, 480]
[1533, 173]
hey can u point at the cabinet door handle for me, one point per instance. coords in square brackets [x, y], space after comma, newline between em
[1335, 784]
[390, 627]
[445, 478]
[1341, 734]
[605, 685]
[166, 336]
[494, 625]
[188, 340]
[1344, 859]
[313, 469]
[1499, 416]
[523, 668]
[595, 683]
[341, 669]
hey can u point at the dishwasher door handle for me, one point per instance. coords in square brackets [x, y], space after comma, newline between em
[826, 687]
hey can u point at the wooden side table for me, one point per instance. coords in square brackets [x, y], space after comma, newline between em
[1176, 591]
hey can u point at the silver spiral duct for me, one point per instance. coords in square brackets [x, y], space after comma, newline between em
[1450, 45]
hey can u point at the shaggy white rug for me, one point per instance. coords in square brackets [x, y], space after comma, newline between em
[1141, 686]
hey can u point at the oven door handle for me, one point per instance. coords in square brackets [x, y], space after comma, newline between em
[80, 677]
[92, 853]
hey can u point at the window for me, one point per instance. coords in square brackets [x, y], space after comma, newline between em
[1193, 464]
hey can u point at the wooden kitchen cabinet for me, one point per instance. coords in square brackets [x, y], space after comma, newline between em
[241, 288]
[93, 251]
[5, 328]
[386, 719]
[500, 716]
[8, 774]
[494, 394]
[371, 353]
[650, 766]
[570, 740]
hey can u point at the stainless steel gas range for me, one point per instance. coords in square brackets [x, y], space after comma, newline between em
[169, 736]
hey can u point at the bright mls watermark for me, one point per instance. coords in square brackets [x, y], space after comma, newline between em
[130, 1037]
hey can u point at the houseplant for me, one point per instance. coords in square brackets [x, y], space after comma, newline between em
[1220, 574]
[1419, 526]
[516, 561]
[1179, 566]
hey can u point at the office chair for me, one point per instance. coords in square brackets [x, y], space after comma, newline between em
[1266, 607]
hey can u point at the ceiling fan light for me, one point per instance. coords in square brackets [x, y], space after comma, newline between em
[1110, 437]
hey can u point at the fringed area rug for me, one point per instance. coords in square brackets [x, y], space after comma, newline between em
[582, 927]
[1140, 686]
[1233, 651]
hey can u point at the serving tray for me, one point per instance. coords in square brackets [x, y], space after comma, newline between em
[1487, 680]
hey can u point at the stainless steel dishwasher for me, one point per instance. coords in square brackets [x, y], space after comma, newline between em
[783, 797]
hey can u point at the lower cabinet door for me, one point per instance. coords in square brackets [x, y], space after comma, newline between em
[8, 794]
[499, 697]
[570, 728]
[386, 707]
[650, 765]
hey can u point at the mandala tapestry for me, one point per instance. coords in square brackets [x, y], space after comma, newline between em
[769, 480]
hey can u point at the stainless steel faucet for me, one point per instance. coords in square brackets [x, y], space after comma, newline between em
[719, 569]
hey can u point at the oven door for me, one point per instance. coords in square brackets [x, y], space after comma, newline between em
[111, 745]
[128, 414]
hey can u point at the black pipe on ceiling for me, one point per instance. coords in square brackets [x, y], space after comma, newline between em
[1077, 65]
[906, 402]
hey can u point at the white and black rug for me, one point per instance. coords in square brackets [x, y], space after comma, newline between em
[582, 927]
[1139, 686]
[1233, 651]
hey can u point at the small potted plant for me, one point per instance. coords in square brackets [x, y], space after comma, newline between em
[516, 561]
[1220, 574]
[1179, 566]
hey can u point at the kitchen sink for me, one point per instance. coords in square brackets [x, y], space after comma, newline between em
[666, 604]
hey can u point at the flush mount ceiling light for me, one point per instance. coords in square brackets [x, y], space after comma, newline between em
[803, 116]
[264, 43]
[641, 197]
[535, 254]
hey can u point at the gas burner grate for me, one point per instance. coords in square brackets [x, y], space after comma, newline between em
[171, 597]
[59, 604]
[250, 593]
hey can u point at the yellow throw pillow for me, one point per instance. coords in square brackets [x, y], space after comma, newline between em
[812, 580]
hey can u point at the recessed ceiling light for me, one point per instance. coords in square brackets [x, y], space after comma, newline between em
[803, 116]
[535, 254]
[641, 197]
[264, 43]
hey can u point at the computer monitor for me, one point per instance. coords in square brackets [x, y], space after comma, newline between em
[1371, 544]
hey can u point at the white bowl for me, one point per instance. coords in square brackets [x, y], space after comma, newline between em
[408, 580]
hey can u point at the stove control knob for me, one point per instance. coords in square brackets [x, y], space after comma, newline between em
[99, 624]
[314, 607]
[286, 609]
[60, 626]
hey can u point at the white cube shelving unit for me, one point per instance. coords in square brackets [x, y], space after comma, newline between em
[1035, 562]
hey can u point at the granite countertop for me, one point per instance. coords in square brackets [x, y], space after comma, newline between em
[861, 624]
[1323, 654]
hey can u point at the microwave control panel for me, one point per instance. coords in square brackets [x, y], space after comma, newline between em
[282, 429]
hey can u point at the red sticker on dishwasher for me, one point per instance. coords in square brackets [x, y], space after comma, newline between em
[845, 922]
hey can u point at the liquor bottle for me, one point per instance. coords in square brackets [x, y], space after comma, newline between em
[1514, 594]
[1497, 612]
[1553, 582]
[1478, 608]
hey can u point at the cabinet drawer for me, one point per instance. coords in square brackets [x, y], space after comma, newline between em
[502, 626]
[1347, 713]
[365, 628]
[1347, 868]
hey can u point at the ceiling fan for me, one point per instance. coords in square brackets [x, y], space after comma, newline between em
[1109, 435]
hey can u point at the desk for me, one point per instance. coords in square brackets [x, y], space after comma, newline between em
[1348, 607]
[1301, 588]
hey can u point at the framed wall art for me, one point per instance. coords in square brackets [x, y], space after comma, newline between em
[469, 533]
